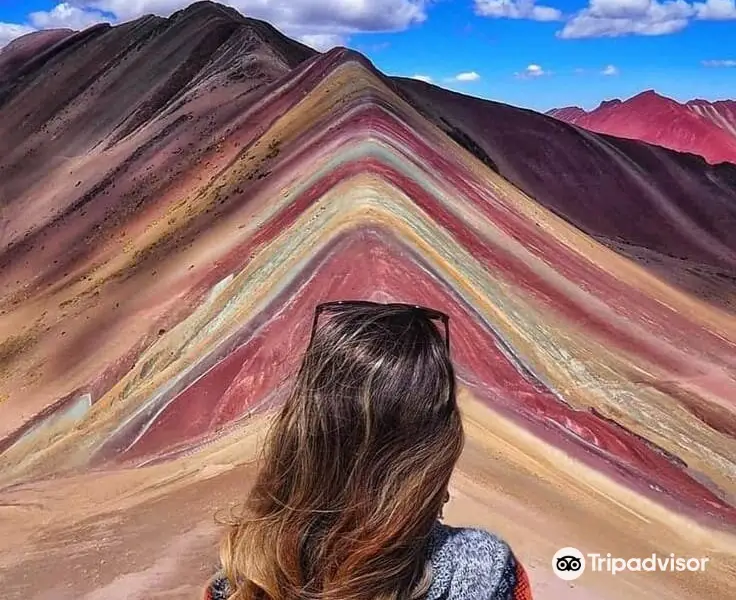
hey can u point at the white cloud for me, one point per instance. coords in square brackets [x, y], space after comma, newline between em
[610, 70]
[424, 78]
[614, 18]
[322, 22]
[65, 15]
[10, 31]
[716, 10]
[516, 9]
[719, 63]
[468, 76]
[322, 41]
[531, 72]
[619, 9]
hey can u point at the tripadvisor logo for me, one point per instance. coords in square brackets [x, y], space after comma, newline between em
[569, 563]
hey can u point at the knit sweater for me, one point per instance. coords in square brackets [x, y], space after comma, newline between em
[467, 564]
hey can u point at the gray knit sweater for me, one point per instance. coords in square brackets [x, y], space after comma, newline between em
[467, 564]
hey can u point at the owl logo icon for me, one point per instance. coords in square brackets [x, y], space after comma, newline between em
[568, 563]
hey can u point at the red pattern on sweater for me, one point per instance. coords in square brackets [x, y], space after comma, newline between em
[523, 589]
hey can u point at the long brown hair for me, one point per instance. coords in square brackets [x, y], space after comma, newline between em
[355, 467]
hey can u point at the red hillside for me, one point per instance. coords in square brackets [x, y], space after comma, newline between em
[699, 126]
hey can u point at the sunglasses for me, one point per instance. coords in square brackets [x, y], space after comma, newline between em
[430, 313]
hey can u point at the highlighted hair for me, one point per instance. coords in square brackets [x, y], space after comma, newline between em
[355, 467]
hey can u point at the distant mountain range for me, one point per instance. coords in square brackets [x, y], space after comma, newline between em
[698, 126]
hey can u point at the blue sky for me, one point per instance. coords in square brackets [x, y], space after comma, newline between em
[543, 55]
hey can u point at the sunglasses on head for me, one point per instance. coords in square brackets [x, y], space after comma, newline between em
[338, 305]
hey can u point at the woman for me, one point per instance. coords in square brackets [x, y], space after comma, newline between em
[356, 471]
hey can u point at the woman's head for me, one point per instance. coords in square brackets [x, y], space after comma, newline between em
[356, 465]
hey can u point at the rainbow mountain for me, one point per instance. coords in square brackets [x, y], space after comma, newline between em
[177, 194]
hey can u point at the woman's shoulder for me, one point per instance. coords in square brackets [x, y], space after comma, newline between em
[473, 563]
[469, 545]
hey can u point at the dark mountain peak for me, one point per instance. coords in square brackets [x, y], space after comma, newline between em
[569, 107]
[205, 8]
[609, 103]
[291, 51]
